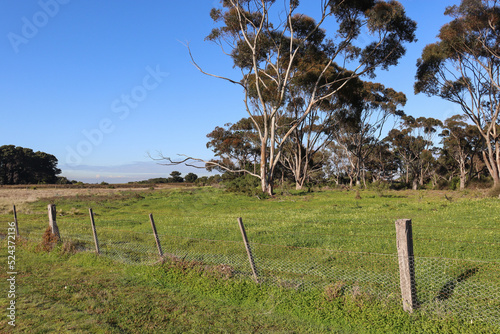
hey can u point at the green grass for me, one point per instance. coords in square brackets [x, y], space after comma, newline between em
[302, 242]
[465, 227]
[83, 293]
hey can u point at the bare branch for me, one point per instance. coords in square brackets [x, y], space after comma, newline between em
[206, 73]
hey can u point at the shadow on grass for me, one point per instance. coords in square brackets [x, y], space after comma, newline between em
[447, 290]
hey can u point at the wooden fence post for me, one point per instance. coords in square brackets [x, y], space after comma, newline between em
[52, 220]
[406, 261]
[94, 232]
[15, 221]
[249, 250]
[153, 226]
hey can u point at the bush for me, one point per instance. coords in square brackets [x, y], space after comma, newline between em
[454, 183]
[379, 187]
[494, 192]
[482, 183]
[246, 184]
[49, 240]
[190, 177]
[202, 181]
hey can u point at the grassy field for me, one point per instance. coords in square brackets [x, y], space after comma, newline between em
[345, 237]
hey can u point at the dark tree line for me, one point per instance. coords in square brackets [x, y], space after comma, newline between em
[19, 165]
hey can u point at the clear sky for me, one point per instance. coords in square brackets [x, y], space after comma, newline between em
[99, 84]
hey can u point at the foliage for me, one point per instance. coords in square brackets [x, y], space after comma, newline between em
[287, 60]
[19, 165]
[244, 184]
[413, 144]
[190, 177]
[463, 66]
[175, 177]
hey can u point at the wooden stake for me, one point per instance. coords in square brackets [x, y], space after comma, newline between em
[15, 221]
[404, 240]
[52, 220]
[94, 232]
[158, 245]
[249, 250]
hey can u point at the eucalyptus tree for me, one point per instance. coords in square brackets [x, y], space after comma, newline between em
[272, 43]
[460, 141]
[304, 151]
[464, 67]
[235, 146]
[358, 130]
[413, 143]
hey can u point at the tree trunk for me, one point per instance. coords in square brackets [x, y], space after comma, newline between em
[415, 183]
[299, 183]
[267, 186]
[265, 176]
[462, 181]
[463, 173]
[490, 162]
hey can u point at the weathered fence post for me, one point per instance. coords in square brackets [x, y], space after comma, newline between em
[15, 221]
[249, 250]
[52, 220]
[94, 232]
[153, 226]
[406, 261]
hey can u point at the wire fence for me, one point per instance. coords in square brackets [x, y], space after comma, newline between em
[466, 289]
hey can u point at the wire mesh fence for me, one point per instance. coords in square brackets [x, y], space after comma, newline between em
[467, 289]
[454, 287]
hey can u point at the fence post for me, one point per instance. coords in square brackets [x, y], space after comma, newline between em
[406, 261]
[52, 220]
[249, 250]
[15, 221]
[153, 226]
[94, 232]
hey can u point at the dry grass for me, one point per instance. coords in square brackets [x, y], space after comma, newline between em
[19, 196]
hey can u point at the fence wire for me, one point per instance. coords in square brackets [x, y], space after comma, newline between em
[466, 289]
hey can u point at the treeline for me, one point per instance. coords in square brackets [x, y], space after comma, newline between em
[175, 177]
[423, 152]
[313, 117]
[19, 165]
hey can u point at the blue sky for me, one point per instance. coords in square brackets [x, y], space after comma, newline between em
[99, 84]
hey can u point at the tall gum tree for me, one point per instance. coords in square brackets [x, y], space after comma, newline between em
[275, 47]
[358, 131]
[464, 67]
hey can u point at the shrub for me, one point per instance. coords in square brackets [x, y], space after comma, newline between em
[454, 183]
[190, 177]
[494, 192]
[379, 187]
[246, 184]
[49, 240]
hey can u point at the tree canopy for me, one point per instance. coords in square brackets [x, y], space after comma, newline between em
[284, 55]
[464, 67]
[19, 165]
